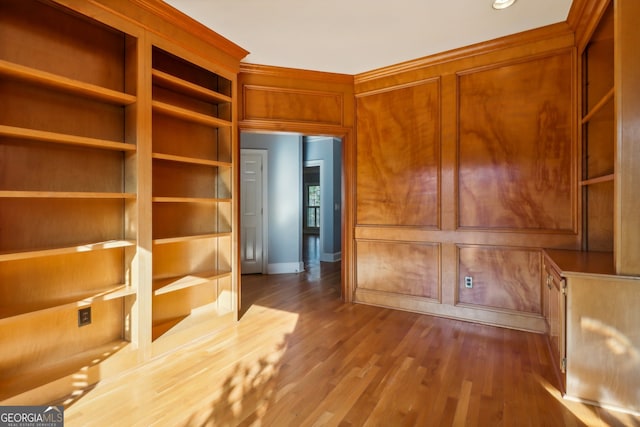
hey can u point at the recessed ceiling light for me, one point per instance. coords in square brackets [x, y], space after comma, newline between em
[502, 4]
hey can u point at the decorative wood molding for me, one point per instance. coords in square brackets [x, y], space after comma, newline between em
[583, 19]
[179, 19]
[293, 127]
[532, 238]
[263, 103]
[296, 74]
[398, 87]
[510, 41]
[511, 320]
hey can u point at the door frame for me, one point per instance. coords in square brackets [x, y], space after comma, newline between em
[264, 154]
[348, 268]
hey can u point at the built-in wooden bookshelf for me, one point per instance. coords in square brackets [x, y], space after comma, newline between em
[116, 189]
[598, 137]
[192, 195]
[592, 294]
[63, 246]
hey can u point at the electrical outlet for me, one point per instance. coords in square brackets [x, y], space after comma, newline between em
[468, 282]
[84, 316]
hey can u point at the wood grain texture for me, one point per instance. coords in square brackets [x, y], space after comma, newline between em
[202, 139]
[402, 268]
[276, 104]
[32, 107]
[598, 203]
[38, 283]
[554, 311]
[398, 155]
[57, 167]
[176, 179]
[603, 340]
[503, 278]
[299, 356]
[599, 143]
[25, 24]
[583, 18]
[30, 224]
[627, 202]
[515, 146]
[50, 337]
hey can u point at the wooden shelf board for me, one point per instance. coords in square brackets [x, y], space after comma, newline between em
[172, 284]
[60, 138]
[189, 200]
[608, 97]
[87, 298]
[189, 115]
[190, 160]
[57, 82]
[206, 317]
[174, 83]
[21, 381]
[167, 240]
[568, 261]
[64, 195]
[597, 180]
[38, 253]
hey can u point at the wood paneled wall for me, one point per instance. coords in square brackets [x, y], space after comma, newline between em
[277, 99]
[465, 167]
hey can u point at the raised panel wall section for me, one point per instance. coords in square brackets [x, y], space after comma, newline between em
[515, 146]
[402, 268]
[473, 152]
[398, 156]
[502, 278]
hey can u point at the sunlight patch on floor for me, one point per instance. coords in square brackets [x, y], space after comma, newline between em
[583, 412]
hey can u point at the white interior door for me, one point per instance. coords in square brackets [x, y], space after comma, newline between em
[252, 211]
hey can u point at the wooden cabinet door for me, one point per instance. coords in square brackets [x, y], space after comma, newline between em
[556, 319]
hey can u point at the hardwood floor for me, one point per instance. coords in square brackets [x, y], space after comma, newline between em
[300, 357]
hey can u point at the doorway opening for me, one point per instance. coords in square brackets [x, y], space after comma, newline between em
[300, 208]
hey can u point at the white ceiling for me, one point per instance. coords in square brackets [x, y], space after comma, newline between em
[354, 36]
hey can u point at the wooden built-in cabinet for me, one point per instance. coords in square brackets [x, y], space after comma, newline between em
[554, 306]
[593, 328]
[116, 172]
[593, 332]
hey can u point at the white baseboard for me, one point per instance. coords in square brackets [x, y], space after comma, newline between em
[285, 267]
[331, 257]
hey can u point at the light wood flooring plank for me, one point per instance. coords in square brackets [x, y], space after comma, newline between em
[300, 357]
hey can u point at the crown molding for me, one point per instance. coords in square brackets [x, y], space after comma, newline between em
[583, 19]
[538, 34]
